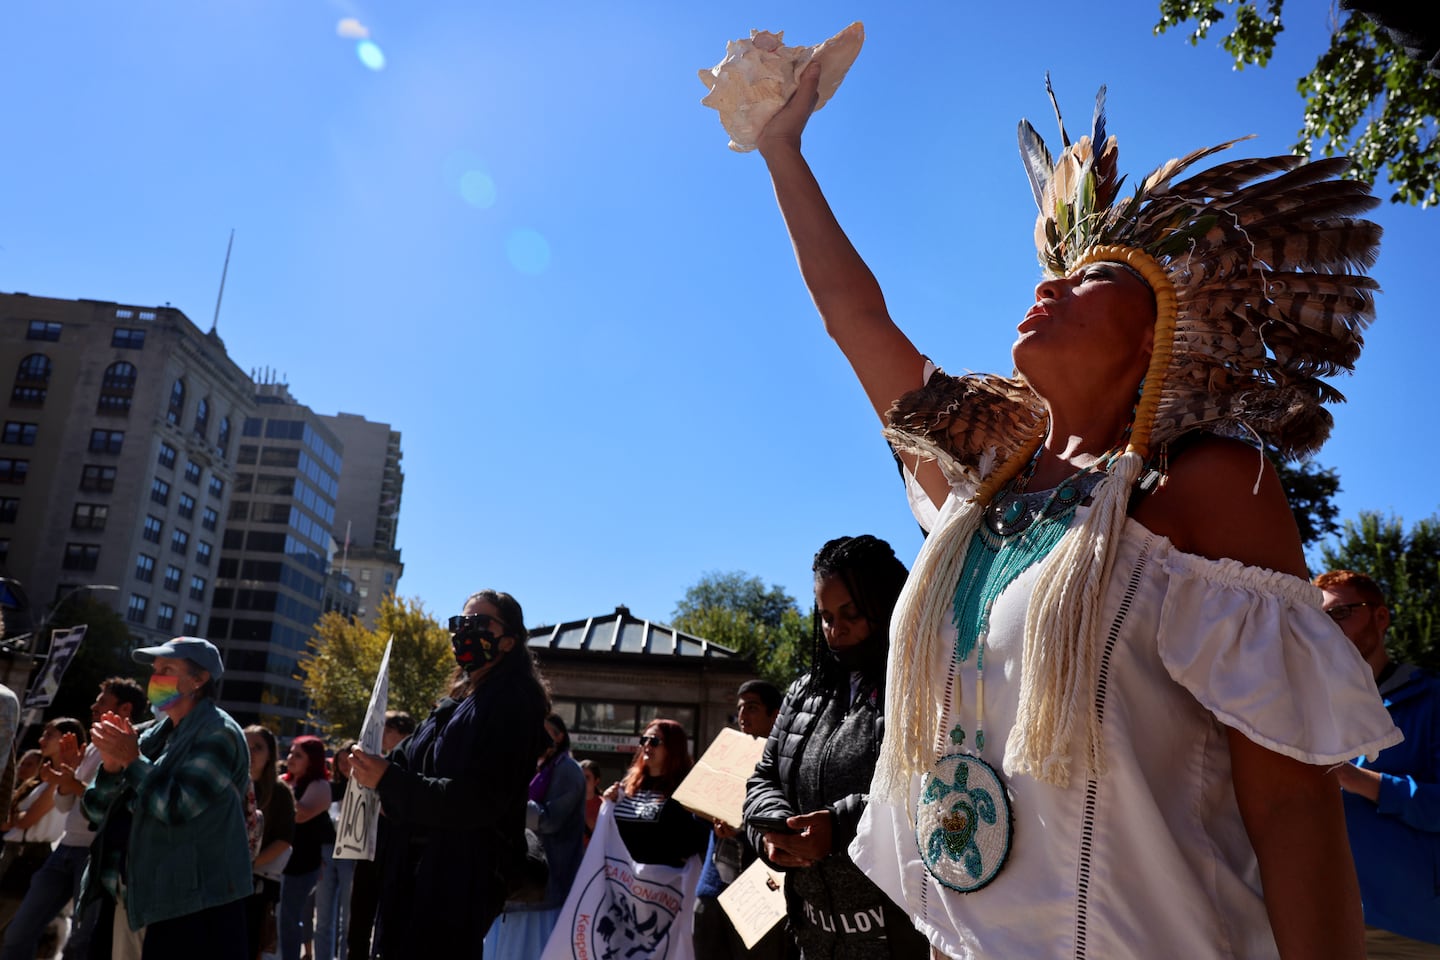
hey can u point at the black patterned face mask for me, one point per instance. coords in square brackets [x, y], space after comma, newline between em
[474, 640]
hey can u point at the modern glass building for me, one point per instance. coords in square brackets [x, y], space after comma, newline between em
[270, 585]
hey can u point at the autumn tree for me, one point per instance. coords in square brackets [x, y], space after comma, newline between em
[1406, 565]
[1365, 96]
[761, 623]
[343, 661]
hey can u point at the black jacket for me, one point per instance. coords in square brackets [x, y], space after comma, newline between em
[455, 799]
[820, 756]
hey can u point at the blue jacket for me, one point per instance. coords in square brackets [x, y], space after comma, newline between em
[1396, 842]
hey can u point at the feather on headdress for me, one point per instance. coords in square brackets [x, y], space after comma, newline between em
[1255, 265]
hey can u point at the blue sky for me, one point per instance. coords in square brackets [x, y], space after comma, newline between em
[523, 242]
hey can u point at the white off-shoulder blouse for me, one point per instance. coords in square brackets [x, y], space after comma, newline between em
[1151, 860]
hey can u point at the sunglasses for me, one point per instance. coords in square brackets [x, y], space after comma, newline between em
[1341, 611]
[650, 741]
[477, 621]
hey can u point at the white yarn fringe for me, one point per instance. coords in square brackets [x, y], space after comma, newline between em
[919, 663]
[1060, 665]
[1061, 654]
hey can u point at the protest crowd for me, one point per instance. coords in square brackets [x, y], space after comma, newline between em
[1105, 712]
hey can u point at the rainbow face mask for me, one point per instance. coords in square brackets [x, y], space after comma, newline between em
[163, 692]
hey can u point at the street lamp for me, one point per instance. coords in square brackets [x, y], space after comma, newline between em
[25, 641]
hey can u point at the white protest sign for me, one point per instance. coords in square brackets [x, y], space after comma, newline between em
[360, 811]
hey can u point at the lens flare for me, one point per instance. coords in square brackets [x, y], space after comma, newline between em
[478, 189]
[370, 54]
[352, 29]
[527, 250]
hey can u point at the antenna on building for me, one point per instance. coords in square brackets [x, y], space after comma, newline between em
[215, 324]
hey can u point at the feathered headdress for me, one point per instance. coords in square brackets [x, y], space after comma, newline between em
[1254, 266]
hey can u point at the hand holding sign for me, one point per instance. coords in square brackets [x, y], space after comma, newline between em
[360, 811]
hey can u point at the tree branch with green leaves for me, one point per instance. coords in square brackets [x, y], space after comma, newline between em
[1366, 96]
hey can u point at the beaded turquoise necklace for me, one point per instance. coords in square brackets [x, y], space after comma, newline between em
[963, 820]
[1018, 530]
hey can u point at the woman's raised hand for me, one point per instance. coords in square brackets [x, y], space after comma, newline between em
[784, 129]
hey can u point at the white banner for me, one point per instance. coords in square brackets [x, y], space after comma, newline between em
[360, 810]
[619, 908]
[63, 644]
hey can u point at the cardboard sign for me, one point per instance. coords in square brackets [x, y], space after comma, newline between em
[63, 644]
[755, 902]
[715, 788]
[360, 811]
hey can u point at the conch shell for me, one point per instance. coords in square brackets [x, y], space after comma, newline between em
[758, 75]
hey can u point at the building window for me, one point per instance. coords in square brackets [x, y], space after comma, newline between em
[389, 578]
[191, 624]
[222, 439]
[106, 441]
[197, 588]
[9, 509]
[13, 471]
[136, 611]
[30, 380]
[179, 542]
[172, 578]
[202, 417]
[153, 528]
[89, 516]
[209, 519]
[166, 457]
[128, 338]
[117, 388]
[177, 403]
[81, 556]
[22, 434]
[164, 617]
[43, 330]
[160, 491]
[202, 553]
[145, 568]
[96, 479]
[239, 510]
[217, 488]
[32, 377]
[192, 472]
[186, 506]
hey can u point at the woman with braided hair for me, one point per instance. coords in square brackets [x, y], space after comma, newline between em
[809, 788]
[1113, 700]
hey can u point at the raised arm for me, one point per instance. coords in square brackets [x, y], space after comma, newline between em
[843, 288]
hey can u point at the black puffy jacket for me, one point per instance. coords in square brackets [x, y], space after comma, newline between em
[820, 756]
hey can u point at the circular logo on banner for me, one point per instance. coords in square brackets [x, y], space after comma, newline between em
[623, 915]
[962, 822]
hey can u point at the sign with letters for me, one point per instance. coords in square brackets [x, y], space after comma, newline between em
[755, 902]
[715, 786]
[360, 810]
[63, 644]
[618, 908]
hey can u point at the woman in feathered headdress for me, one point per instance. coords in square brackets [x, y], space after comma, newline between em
[1113, 697]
